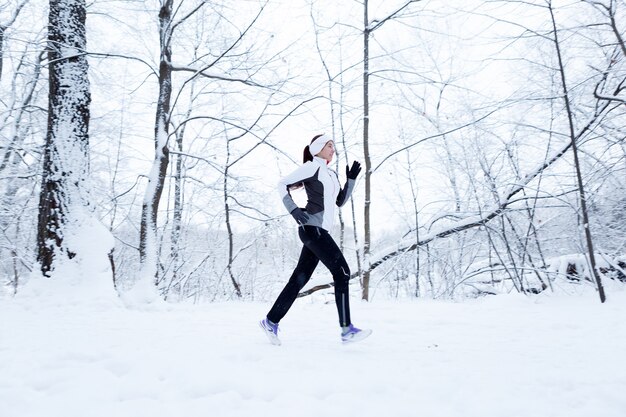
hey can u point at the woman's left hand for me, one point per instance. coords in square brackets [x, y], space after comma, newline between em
[353, 172]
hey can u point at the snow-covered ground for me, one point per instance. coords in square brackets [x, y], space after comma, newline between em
[503, 356]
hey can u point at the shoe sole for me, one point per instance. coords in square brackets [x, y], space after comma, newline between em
[363, 334]
[271, 336]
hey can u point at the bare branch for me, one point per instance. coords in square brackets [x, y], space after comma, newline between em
[199, 158]
[5, 26]
[13, 18]
[375, 24]
[217, 77]
[187, 16]
[248, 207]
[417, 142]
[285, 117]
[202, 70]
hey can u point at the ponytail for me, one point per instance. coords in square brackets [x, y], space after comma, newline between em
[306, 155]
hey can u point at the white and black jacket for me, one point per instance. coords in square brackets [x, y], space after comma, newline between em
[322, 189]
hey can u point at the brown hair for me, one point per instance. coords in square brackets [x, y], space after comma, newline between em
[306, 156]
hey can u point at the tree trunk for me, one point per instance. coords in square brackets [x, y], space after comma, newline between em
[228, 227]
[177, 218]
[148, 234]
[66, 151]
[355, 236]
[417, 233]
[3, 29]
[579, 178]
[366, 154]
[367, 30]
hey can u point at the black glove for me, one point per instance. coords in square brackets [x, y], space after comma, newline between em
[353, 172]
[300, 216]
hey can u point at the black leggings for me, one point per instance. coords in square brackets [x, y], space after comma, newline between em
[318, 246]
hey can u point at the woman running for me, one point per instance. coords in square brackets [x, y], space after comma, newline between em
[315, 221]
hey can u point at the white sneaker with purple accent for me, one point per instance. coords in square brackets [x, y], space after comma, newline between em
[354, 334]
[271, 331]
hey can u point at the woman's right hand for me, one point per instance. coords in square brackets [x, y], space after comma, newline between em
[300, 216]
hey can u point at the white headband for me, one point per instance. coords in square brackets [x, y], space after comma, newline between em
[318, 144]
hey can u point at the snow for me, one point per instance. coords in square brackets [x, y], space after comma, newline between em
[509, 355]
[87, 276]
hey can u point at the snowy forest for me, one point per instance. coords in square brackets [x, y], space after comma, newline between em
[143, 237]
[142, 142]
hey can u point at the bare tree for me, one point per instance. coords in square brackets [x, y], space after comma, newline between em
[15, 173]
[609, 8]
[579, 177]
[413, 184]
[4, 26]
[21, 121]
[66, 152]
[334, 81]
[65, 209]
[156, 180]
[168, 24]
[369, 27]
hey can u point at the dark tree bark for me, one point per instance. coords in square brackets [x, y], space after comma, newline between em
[228, 225]
[66, 151]
[156, 181]
[365, 285]
[579, 178]
[368, 29]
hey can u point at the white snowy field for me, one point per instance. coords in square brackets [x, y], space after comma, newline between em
[502, 356]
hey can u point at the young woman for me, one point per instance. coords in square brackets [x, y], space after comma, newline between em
[315, 221]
